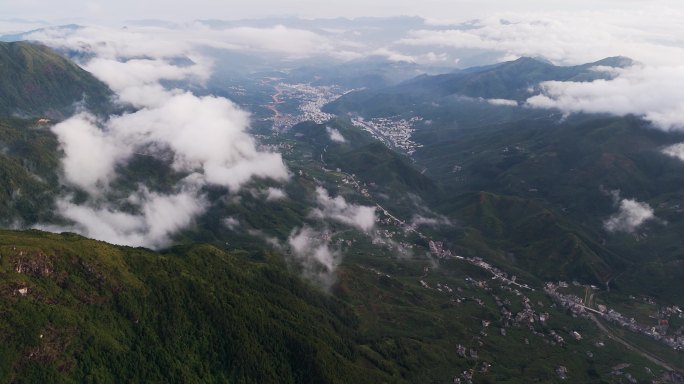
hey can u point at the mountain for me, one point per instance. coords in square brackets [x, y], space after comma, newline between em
[383, 171]
[534, 184]
[29, 164]
[384, 168]
[318, 135]
[535, 240]
[488, 232]
[35, 81]
[579, 170]
[514, 80]
[79, 310]
[509, 80]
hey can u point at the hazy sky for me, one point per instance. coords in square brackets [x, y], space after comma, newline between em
[107, 10]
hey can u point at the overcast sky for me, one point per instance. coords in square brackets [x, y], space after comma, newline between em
[457, 10]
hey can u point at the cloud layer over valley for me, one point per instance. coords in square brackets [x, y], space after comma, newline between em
[205, 137]
[650, 92]
[647, 34]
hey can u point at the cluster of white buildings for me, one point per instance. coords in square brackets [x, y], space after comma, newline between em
[392, 131]
[311, 100]
[437, 250]
[496, 272]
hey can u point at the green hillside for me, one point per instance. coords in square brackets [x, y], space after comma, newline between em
[518, 197]
[383, 171]
[78, 310]
[536, 240]
[35, 81]
[29, 166]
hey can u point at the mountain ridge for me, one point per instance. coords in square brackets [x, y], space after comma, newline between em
[36, 82]
[513, 80]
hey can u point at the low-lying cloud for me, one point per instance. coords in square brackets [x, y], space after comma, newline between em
[503, 102]
[206, 136]
[90, 153]
[338, 209]
[630, 216]
[675, 150]
[186, 38]
[649, 36]
[312, 250]
[274, 194]
[335, 135]
[231, 223]
[437, 221]
[653, 93]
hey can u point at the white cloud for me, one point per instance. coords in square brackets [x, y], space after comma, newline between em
[504, 102]
[207, 136]
[631, 214]
[116, 43]
[651, 92]
[136, 72]
[335, 135]
[274, 194]
[312, 251]
[398, 248]
[650, 35]
[185, 39]
[394, 55]
[159, 218]
[90, 154]
[311, 248]
[231, 223]
[277, 39]
[136, 81]
[675, 150]
[270, 240]
[338, 209]
[419, 220]
[399, 57]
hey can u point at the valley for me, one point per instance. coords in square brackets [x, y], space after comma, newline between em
[302, 102]
[236, 213]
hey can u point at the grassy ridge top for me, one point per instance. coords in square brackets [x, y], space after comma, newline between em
[79, 310]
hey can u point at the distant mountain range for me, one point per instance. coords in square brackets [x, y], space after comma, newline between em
[514, 80]
[510, 80]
